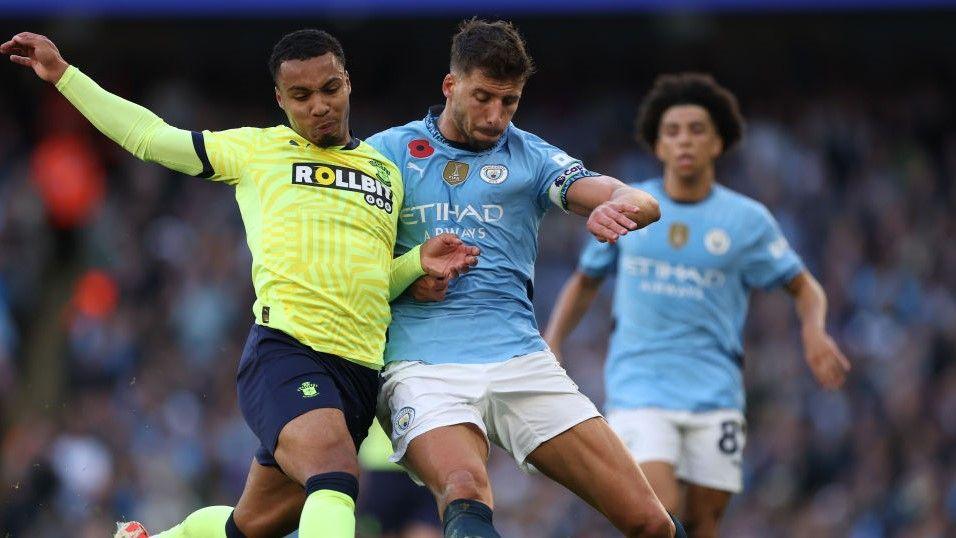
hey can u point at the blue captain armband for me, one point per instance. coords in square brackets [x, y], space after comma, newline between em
[558, 191]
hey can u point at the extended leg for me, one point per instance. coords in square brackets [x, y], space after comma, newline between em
[590, 460]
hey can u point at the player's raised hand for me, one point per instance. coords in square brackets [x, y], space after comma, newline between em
[37, 52]
[446, 256]
[825, 359]
[429, 289]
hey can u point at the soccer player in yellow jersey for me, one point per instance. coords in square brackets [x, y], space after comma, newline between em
[320, 209]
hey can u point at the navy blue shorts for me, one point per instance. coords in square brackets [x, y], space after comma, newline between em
[280, 379]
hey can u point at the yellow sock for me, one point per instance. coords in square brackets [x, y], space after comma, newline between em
[208, 522]
[328, 514]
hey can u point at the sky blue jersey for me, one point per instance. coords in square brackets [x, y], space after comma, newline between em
[493, 199]
[681, 297]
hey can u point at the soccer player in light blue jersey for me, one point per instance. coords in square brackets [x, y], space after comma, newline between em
[674, 369]
[473, 369]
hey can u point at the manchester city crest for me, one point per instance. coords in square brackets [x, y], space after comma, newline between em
[493, 173]
[404, 418]
[717, 242]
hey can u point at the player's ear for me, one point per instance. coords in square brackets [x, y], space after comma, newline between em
[448, 85]
[348, 83]
[717, 147]
[659, 149]
[279, 98]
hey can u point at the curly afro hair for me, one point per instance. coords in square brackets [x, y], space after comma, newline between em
[690, 89]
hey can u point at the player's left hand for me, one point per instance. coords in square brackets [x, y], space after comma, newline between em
[825, 359]
[446, 256]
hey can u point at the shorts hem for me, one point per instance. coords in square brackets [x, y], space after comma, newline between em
[652, 457]
[407, 438]
[522, 456]
[274, 442]
[712, 484]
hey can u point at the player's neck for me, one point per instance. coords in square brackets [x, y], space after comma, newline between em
[448, 129]
[688, 189]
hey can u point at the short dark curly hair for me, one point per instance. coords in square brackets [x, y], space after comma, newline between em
[690, 89]
[494, 47]
[302, 45]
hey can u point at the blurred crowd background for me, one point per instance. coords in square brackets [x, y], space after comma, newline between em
[125, 291]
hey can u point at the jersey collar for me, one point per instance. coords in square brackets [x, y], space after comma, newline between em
[431, 123]
[299, 140]
[704, 200]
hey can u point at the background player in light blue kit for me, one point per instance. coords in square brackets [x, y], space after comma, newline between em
[474, 369]
[674, 369]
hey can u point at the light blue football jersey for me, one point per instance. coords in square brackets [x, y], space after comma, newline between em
[681, 297]
[493, 199]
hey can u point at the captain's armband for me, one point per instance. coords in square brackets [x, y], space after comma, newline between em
[558, 191]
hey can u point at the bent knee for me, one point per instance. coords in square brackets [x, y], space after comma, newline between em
[466, 484]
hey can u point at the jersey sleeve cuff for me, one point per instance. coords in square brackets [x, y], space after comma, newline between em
[66, 77]
[405, 270]
[593, 272]
[199, 145]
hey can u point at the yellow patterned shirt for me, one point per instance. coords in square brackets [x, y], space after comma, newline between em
[320, 223]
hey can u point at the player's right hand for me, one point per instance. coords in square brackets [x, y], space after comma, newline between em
[429, 289]
[37, 52]
[828, 364]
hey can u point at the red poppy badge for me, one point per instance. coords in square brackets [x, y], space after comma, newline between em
[420, 148]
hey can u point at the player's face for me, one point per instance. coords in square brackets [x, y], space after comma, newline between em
[480, 107]
[314, 94]
[687, 142]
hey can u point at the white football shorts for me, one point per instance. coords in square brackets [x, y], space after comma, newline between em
[518, 403]
[706, 448]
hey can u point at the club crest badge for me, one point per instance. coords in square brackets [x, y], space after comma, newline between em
[678, 234]
[717, 242]
[455, 173]
[404, 418]
[493, 173]
[308, 389]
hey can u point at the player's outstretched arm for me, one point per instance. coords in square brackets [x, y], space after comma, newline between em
[612, 208]
[824, 357]
[442, 257]
[135, 128]
[574, 300]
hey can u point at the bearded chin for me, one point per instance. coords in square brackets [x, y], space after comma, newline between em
[481, 144]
